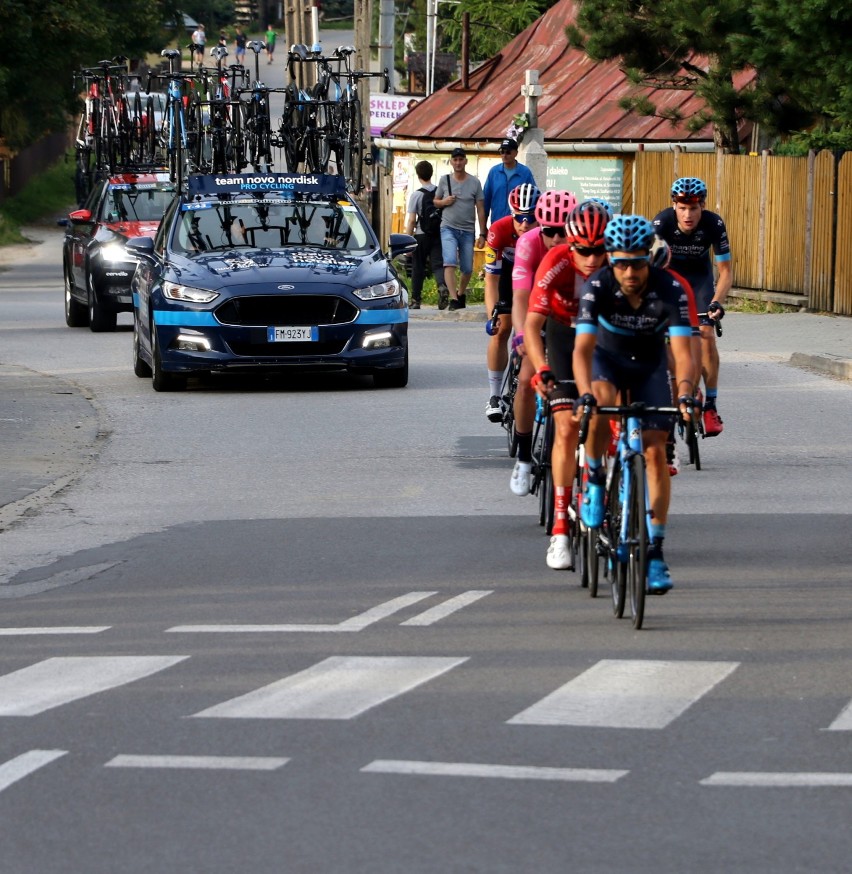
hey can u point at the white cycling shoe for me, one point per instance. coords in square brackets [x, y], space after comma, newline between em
[559, 553]
[521, 478]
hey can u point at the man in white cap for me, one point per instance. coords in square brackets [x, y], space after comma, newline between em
[502, 178]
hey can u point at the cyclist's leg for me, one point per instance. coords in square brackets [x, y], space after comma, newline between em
[654, 391]
[524, 415]
[497, 355]
[709, 362]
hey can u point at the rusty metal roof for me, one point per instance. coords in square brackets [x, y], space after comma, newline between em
[579, 100]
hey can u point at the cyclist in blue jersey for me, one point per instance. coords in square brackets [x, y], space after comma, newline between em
[692, 231]
[626, 311]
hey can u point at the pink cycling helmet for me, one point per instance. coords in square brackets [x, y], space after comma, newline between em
[554, 207]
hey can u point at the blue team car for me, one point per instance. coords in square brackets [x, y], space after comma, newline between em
[267, 272]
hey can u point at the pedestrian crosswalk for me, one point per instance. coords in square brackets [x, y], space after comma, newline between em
[613, 693]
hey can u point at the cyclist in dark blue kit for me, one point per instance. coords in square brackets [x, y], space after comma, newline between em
[692, 231]
[626, 311]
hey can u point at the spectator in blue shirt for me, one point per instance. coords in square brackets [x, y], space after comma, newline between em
[502, 178]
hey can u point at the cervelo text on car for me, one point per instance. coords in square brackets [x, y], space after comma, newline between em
[268, 272]
[96, 265]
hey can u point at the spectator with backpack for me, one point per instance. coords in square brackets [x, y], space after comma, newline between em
[423, 221]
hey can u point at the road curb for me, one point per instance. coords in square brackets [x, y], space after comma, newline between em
[832, 365]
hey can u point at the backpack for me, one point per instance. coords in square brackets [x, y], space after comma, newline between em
[428, 215]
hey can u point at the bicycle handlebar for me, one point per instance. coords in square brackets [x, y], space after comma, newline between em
[717, 323]
[638, 408]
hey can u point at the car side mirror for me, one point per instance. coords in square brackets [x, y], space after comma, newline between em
[140, 246]
[401, 244]
[80, 215]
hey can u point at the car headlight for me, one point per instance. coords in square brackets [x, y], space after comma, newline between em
[115, 252]
[174, 291]
[374, 292]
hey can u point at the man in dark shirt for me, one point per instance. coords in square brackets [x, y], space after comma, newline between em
[692, 231]
[626, 311]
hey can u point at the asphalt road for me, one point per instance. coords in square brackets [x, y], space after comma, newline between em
[304, 626]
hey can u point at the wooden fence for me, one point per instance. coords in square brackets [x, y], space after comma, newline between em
[789, 219]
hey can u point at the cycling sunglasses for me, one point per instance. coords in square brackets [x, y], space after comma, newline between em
[688, 200]
[524, 218]
[637, 261]
[553, 232]
[585, 251]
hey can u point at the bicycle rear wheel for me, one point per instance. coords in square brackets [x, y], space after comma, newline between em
[637, 533]
[694, 451]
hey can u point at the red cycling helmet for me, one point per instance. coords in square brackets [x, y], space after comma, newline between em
[554, 207]
[585, 225]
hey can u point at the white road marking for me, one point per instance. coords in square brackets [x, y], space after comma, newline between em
[355, 623]
[57, 681]
[504, 772]
[207, 763]
[768, 780]
[627, 694]
[58, 629]
[844, 721]
[445, 608]
[340, 687]
[19, 767]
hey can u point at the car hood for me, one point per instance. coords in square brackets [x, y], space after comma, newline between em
[296, 266]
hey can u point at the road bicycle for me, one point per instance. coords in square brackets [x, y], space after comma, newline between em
[692, 429]
[541, 483]
[623, 539]
[507, 398]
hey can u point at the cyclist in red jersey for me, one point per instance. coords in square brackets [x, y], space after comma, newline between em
[499, 261]
[551, 211]
[553, 306]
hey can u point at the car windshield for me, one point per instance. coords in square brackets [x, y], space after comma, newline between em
[132, 204]
[270, 224]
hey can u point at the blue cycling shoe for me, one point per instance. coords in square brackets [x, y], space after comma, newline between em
[592, 509]
[659, 578]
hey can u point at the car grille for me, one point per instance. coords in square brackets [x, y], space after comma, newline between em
[287, 350]
[286, 309]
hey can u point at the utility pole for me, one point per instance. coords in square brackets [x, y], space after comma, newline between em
[532, 151]
[387, 24]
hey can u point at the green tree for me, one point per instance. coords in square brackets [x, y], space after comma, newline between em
[43, 47]
[804, 57]
[660, 45]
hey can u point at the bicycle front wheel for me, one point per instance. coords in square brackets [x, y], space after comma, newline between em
[637, 533]
[617, 567]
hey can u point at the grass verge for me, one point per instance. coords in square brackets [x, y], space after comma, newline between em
[44, 196]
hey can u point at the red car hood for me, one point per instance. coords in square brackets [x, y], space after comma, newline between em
[134, 229]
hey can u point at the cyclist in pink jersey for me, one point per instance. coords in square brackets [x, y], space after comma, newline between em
[500, 247]
[551, 212]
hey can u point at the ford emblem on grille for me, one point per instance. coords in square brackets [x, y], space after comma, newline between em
[286, 287]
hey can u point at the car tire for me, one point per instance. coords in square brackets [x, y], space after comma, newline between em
[76, 314]
[396, 378]
[100, 319]
[140, 366]
[160, 379]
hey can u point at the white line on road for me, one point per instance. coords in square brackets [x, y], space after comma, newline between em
[56, 681]
[19, 767]
[355, 623]
[58, 629]
[844, 721]
[627, 694]
[440, 611]
[769, 780]
[505, 772]
[207, 763]
[340, 687]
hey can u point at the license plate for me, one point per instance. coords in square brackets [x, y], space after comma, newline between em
[296, 334]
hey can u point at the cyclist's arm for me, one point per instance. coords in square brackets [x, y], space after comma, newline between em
[684, 364]
[724, 281]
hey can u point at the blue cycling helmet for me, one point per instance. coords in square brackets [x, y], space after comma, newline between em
[604, 203]
[628, 233]
[689, 187]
